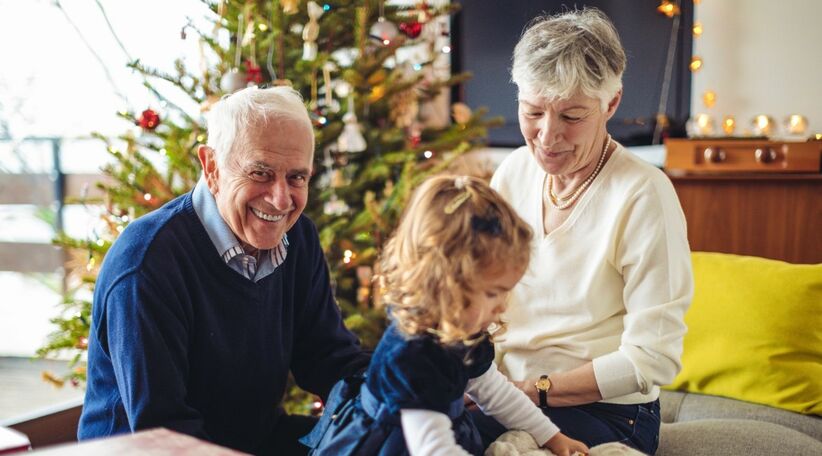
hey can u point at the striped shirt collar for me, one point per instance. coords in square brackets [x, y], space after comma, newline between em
[226, 243]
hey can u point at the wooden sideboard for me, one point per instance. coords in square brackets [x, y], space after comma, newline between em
[771, 209]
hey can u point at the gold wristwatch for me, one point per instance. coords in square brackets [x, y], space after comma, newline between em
[543, 385]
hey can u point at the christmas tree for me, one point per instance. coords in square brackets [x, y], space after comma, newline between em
[374, 78]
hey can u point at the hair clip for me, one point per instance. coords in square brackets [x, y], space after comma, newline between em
[488, 225]
[460, 183]
[455, 203]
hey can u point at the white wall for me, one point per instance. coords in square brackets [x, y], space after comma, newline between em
[760, 57]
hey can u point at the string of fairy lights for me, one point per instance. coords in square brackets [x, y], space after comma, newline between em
[703, 124]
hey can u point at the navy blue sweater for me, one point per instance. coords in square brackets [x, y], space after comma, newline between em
[180, 340]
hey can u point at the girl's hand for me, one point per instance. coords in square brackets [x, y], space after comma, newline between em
[469, 403]
[562, 445]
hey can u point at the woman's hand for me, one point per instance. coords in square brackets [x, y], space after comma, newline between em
[562, 445]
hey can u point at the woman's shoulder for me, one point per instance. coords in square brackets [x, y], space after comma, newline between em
[632, 171]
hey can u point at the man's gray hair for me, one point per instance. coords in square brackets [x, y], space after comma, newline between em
[249, 107]
[574, 52]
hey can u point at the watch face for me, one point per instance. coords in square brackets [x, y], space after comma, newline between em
[543, 384]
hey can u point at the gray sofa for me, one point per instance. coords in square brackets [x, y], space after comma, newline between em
[697, 424]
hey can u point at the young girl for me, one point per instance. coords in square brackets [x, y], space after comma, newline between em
[457, 252]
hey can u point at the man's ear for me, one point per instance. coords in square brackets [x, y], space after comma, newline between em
[613, 104]
[208, 160]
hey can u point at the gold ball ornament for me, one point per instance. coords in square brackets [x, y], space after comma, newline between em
[461, 113]
[290, 6]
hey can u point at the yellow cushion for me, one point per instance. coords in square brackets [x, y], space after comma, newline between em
[755, 332]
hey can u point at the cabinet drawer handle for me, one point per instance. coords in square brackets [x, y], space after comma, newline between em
[714, 155]
[764, 154]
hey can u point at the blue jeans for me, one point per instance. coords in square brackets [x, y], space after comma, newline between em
[634, 425]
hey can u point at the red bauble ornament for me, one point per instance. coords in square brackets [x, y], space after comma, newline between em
[149, 119]
[411, 29]
[253, 73]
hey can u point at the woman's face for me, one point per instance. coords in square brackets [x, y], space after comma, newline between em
[564, 136]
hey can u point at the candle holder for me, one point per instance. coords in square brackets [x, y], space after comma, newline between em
[701, 126]
[763, 125]
[796, 125]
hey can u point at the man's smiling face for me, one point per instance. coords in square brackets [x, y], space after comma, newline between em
[262, 188]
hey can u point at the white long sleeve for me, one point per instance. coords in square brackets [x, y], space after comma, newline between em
[499, 398]
[429, 433]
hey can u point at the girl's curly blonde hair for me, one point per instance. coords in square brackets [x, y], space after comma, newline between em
[454, 230]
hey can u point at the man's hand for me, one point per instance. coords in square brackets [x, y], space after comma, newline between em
[562, 445]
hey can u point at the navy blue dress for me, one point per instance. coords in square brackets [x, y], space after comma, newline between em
[362, 415]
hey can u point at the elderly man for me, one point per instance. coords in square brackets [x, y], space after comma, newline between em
[203, 306]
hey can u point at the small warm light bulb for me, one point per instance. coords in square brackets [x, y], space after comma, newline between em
[709, 98]
[386, 42]
[147, 197]
[262, 26]
[668, 8]
[728, 125]
[428, 154]
[446, 49]
[697, 29]
[696, 64]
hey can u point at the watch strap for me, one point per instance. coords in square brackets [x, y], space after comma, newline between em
[543, 394]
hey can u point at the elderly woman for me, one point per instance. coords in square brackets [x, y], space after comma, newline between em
[596, 324]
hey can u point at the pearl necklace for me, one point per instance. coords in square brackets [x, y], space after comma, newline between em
[566, 202]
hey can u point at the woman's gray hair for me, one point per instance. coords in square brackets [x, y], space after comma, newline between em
[253, 105]
[570, 53]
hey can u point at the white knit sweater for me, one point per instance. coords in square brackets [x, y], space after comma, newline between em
[611, 284]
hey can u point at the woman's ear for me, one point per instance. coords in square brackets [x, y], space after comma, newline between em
[613, 104]
[211, 171]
